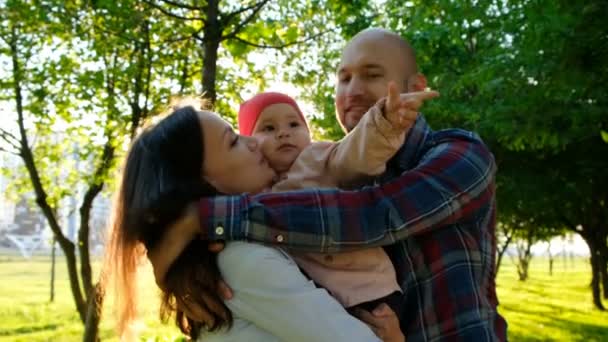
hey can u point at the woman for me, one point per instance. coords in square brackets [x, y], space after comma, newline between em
[191, 154]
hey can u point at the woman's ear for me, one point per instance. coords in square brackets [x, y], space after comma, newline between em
[416, 82]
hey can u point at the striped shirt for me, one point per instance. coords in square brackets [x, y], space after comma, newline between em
[434, 212]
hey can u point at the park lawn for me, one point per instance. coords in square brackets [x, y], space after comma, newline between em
[544, 308]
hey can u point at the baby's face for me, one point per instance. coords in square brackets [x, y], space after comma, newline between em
[282, 135]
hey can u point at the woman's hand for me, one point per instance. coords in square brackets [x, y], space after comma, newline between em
[384, 323]
[175, 239]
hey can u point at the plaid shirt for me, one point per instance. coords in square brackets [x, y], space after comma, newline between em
[434, 213]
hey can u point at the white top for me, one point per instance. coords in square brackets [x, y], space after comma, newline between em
[273, 301]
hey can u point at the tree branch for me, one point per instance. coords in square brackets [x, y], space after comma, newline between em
[179, 39]
[9, 138]
[182, 6]
[6, 39]
[569, 224]
[93, 190]
[256, 9]
[171, 14]
[148, 61]
[2, 149]
[282, 46]
[231, 15]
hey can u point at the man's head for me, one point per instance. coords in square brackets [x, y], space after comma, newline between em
[369, 61]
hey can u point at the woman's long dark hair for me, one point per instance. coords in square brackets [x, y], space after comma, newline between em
[162, 174]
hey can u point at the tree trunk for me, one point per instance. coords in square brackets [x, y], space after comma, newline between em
[211, 43]
[95, 306]
[595, 280]
[83, 239]
[41, 198]
[595, 269]
[524, 256]
[550, 258]
[501, 251]
[602, 264]
[85, 214]
[53, 270]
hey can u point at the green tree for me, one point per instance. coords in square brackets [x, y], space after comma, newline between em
[527, 76]
[80, 84]
[222, 35]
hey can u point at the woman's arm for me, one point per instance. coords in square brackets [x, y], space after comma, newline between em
[270, 291]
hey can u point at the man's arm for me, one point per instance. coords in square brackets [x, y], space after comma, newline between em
[454, 178]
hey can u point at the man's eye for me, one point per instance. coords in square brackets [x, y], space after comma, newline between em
[374, 75]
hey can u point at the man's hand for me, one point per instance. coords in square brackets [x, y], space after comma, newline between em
[174, 241]
[401, 110]
[384, 323]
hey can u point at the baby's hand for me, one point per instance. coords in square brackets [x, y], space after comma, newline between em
[401, 110]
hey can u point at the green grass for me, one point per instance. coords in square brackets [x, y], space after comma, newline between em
[544, 308]
[551, 308]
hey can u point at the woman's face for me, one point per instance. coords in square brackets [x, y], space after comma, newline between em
[233, 164]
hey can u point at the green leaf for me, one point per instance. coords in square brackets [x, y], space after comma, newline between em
[604, 136]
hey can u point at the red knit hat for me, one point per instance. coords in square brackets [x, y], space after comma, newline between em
[251, 109]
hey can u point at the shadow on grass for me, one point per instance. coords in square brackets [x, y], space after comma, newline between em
[27, 330]
[572, 330]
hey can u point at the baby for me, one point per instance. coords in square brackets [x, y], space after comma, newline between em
[362, 278]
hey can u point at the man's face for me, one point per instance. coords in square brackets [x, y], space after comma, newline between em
[367, 65]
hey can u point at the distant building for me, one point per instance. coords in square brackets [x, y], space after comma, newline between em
[24, 218]
[7, 207]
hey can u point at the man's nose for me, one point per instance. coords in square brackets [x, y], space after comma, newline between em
[355, 87]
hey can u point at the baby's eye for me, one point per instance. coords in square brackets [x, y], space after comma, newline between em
[268, 128]
[294, 124]
[344, 79]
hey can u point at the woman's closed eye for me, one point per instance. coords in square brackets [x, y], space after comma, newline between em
[234, 141]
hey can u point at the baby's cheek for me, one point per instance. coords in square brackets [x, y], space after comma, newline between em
[266, 147]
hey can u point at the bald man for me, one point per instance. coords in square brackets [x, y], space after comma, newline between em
[370, 60]
[433, 210]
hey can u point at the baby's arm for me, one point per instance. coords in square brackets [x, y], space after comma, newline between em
[377, 137]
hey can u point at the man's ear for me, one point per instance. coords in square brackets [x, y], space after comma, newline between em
[416, 82]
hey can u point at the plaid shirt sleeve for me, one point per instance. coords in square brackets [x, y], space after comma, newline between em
[453, 176]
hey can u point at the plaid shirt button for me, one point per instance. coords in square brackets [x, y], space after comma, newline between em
[219, 230]
[280, 238]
